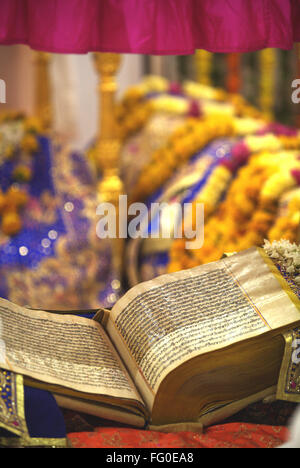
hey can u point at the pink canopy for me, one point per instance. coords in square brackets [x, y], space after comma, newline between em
[150, 26]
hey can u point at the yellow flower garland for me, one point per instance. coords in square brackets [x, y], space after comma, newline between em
[133, 111]
[287, 225]
[11, 203]
[252, 198]
[182, 144]
[192, 137]
[247, 214]
[14, 200]
[221, 176]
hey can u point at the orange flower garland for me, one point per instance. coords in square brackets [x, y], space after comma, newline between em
[18, 138]
[11, 203]
[245, 217]
[183, 143]
[287, 225]
[132, 113]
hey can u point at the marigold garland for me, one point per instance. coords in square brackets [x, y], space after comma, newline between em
[134, 111]
[197, 133]
[248, 213]
[132, 114]
[156, 94]
[287, 225]
[18, 139]
[11, 203]
[182, 144]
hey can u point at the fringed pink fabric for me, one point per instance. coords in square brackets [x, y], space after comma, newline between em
[150, 26]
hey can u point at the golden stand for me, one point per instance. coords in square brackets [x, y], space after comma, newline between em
[108, 146]
[43, 95]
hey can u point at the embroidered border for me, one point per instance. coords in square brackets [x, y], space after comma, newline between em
[20, 442]
[12, 416]
[288, 387]
[289, 379]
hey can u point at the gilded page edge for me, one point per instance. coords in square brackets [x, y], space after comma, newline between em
[283, 283]
[110, 414]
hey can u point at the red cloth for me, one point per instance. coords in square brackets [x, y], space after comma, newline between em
[231, 435]
[150, 27]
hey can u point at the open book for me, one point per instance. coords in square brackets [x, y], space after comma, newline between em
[191, 346]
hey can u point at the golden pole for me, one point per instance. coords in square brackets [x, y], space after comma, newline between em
[43, 98]
[108, 145]
[267, 59]
[107, 152]
[203, 60]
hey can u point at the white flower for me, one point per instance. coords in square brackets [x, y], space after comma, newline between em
[286, 255]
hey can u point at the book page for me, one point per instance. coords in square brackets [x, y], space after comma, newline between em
[162, 323]
[65, 350]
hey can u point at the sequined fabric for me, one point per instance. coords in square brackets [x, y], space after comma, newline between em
[56, 261]
[11, 404]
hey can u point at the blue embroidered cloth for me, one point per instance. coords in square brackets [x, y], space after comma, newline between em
[56, 261]
[201, 165]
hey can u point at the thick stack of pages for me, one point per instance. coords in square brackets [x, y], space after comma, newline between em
[189, 347]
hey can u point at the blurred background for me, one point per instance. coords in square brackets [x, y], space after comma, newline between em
[263, 78]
